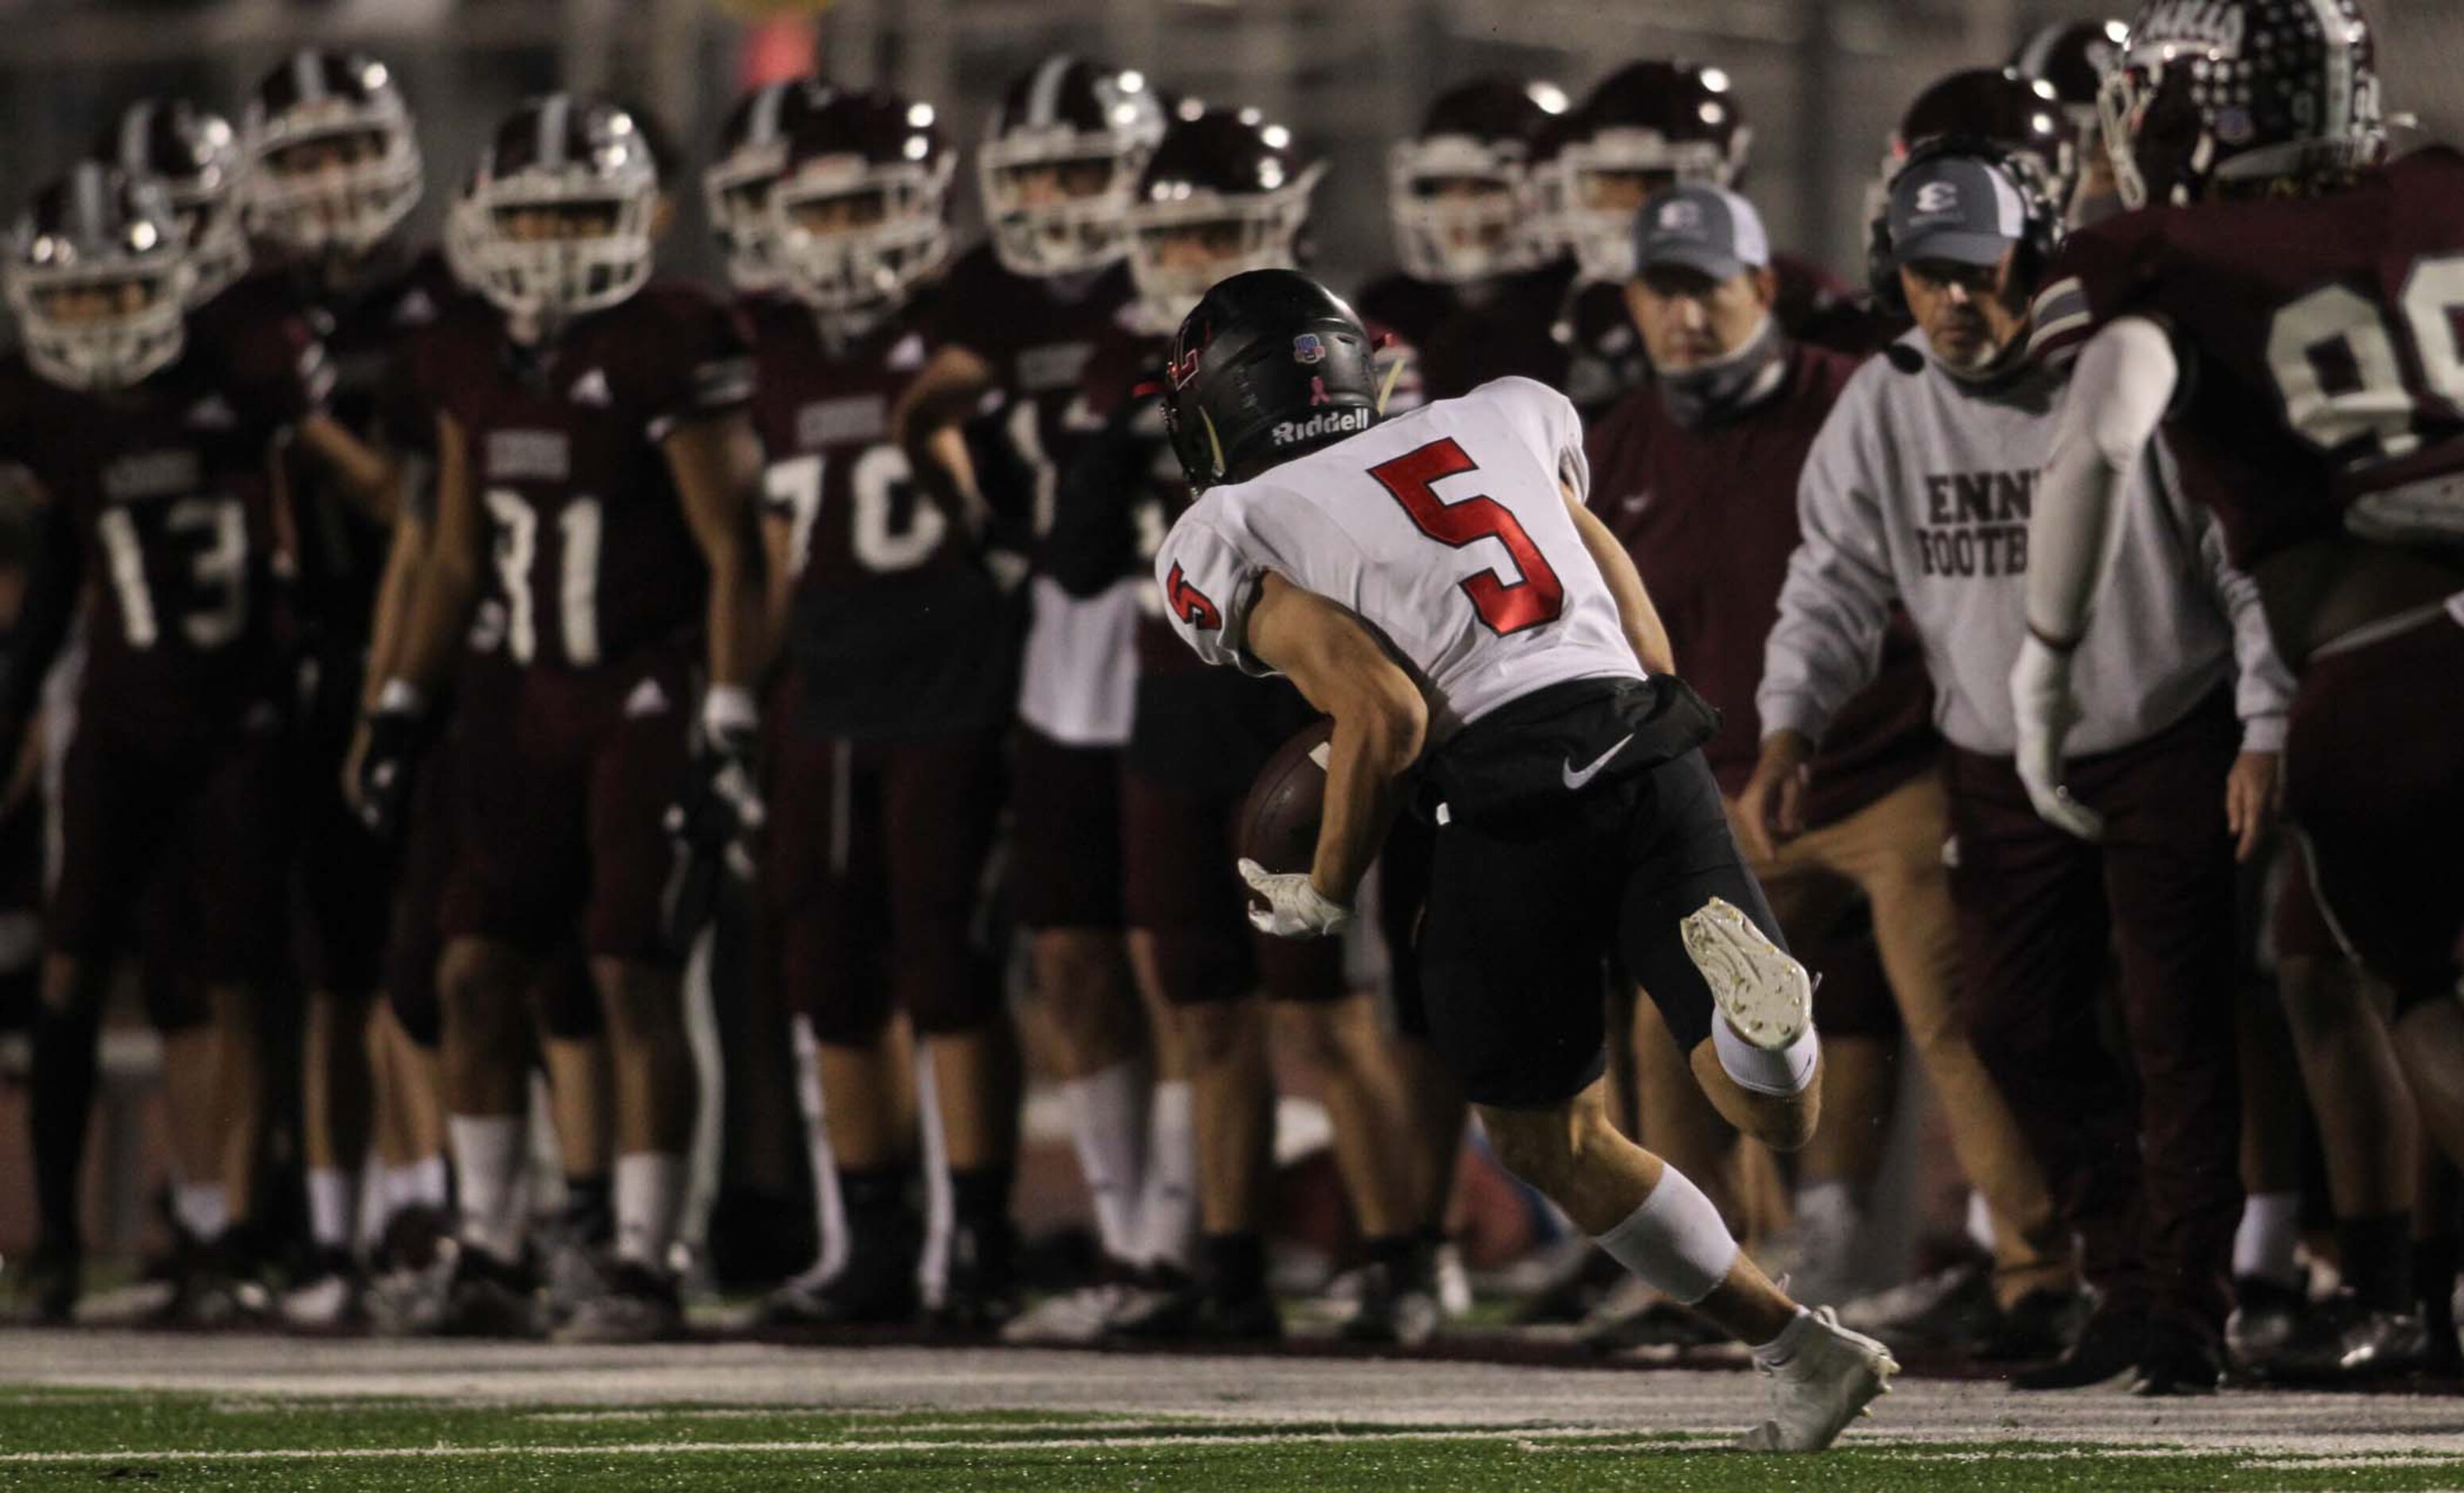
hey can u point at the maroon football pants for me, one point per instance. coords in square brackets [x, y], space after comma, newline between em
[2139, 1147]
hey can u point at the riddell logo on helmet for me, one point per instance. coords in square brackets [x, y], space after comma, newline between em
[2207, 22]
[1334, 422]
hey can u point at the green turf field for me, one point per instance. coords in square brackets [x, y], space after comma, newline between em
[81, 1439]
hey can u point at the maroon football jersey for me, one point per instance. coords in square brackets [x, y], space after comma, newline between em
[898, 626]
[166, 484]
[1123, 493]
[1460, 343]
[1036, 334]
[593, 559]
[2323, 343]
[1710, 518]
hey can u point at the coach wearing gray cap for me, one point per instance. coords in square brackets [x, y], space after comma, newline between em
[1697, 472]
[1917, 494]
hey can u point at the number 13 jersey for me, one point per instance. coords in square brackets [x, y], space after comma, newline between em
[1444, 528]
[2322, 350]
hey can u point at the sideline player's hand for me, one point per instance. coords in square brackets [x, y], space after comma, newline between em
[721, 805]
[1770, 808]
[2044, 712]
[1295, 908]
[2249, 799]
[391, 734]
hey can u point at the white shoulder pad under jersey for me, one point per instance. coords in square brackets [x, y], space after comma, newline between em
[1446, 529]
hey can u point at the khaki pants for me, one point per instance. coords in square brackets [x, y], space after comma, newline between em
[1891, 850]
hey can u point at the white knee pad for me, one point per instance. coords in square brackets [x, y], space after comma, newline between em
[1764, 999]
[1675, 1242]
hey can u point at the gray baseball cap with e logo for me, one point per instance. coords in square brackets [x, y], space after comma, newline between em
[1958, 209]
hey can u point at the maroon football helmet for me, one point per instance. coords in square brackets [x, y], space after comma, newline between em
[1996, 104]
[334, 162]
[196, 157]
[100, 232]
[752, 152]
[1092, 126]
[2073, 57]
[1230, 178]
[2241, 96]
[585, 160]
[1645, 125]
[1458, 190]
[859, 213]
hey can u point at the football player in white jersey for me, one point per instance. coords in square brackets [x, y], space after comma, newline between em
[1433, 583]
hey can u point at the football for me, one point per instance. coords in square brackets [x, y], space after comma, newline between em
[1280, 818]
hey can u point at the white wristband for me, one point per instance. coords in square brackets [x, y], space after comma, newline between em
[729, 707]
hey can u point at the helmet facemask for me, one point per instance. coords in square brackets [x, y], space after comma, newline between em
[548, 244]
[736, 190]
[102, 323]
[1458, 206]
[1240, 232]
[855, 239]
[1585, 199]
[332, 178]
[1055, 200]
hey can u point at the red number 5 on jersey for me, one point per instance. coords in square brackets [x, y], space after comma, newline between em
[1190, 603]
[1503, 605]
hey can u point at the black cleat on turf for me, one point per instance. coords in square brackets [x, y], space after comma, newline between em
[1398, 1303]
[2040, 1325]
[2177, 1360]
[47, 1286]
[636, 1305]
[862, 1294]
[1194, 1314]
[2267, 1318]
[2345, 1342]
[1660, 1327]
[488, 1297]
[981, 1294]
[2109, 1349]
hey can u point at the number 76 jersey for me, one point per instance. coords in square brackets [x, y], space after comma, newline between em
[2322, 350]
[1446, 529]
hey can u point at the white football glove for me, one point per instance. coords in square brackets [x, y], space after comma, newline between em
[1295, 908]
[2042, 706]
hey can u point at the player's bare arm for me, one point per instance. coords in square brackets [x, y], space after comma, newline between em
[363, 472]
[718, 464]
[1772, 803]
[1380, 722]
[945, 391]
[1639, 619]
[445, 588]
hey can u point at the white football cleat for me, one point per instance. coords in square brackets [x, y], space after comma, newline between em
[1765, 995]
[1833, 1375]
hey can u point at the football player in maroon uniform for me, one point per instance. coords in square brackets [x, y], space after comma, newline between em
[595, 476]
[2284, 308]
[1644, 126]
[1018, 318]
[1225, 192]
[153, 444]
[331, 168]
[885, 785]
[2071, 58]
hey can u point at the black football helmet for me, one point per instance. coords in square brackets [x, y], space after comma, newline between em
[2071, 57]
[860, 213]
[1227, 175]
[1996, 104]
[100, 277]
[196, 157]
[1071, 116]
[2241, 96]
[1478, 134]
[1650, 123]
[1269, 365]
[558, 217]
[752, 153]
[334, 162]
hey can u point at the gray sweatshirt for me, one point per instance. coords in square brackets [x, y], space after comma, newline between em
[1918, 490]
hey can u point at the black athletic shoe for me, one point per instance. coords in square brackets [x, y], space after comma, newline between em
[859, 1295]
[2343, 1341]
[2109, 1348]
[638, 1304]
[2040, 1325]
[1399, 1304]
[45, 1290]
[2177, 1360]
[981, 1294]
[2267, 1318]
[488, 1297]
[1193, 1314]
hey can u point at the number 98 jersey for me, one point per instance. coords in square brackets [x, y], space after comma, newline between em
[2322, 350]
[1446, 529]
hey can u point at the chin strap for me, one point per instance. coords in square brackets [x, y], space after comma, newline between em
[1393, 372]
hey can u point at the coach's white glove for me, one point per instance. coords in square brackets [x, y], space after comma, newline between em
[1295, 908]
[2044, 712]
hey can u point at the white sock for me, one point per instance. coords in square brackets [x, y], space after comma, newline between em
[649, 1194]
[1108, 1126]
[333, 1203]
[429, 1183]
[203, 1209]
[1675, 1242]
[2265, 1240]
[1168, 1201]
[1980, 1222]
[488, 1153]
[1792, 1337]
[1766, 1071]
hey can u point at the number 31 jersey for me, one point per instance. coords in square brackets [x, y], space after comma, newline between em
[1444, 528]
[2322, 350]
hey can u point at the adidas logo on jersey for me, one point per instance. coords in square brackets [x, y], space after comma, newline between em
[646, 699]
[1331, 422]
[213, 413]
[908, 356]
[591, 388]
